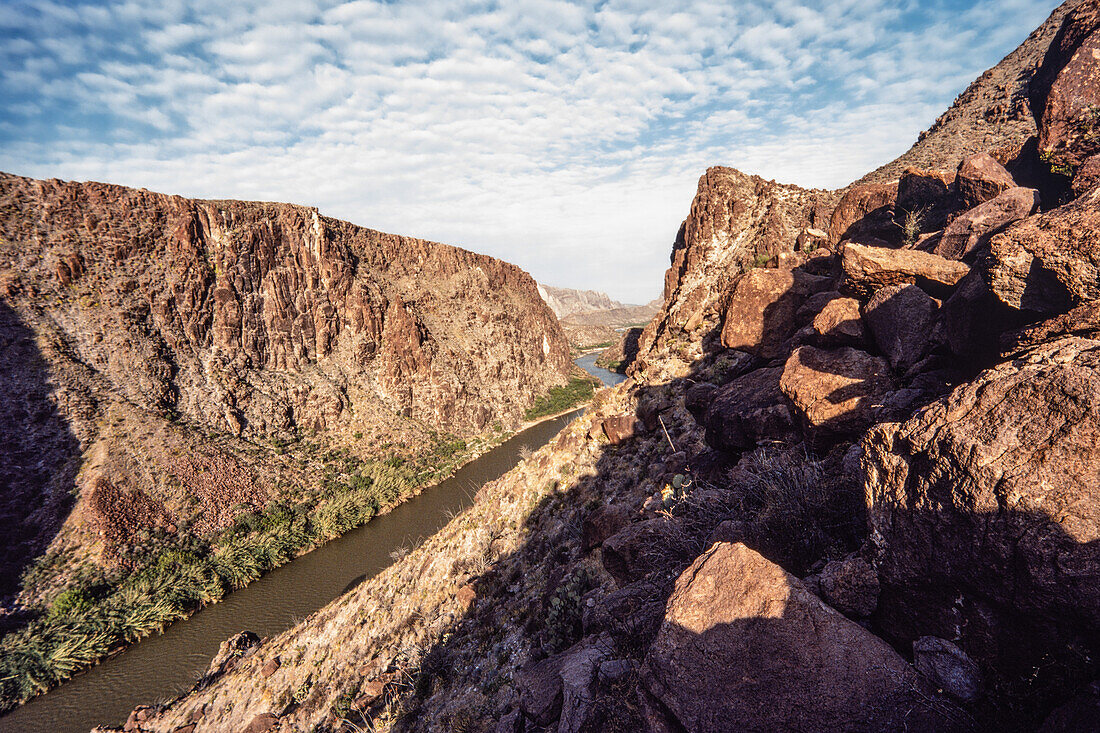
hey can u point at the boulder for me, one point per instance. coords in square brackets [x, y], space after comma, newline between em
[866, 269]
[836, 390]
[1065, 91]
[927, 194]
[1009, 458]
[629, 614]
[270, 667]
[640, 548]
[619, 428]
[1050, 262]
[814, 304]
[578, 684]
[948, 668]
[875, 200]
[973, 319]
[850, 586]
[1080, 714]
[749, 410]
[540, 691]
[603, 522]
[1083, 321]
[901, 318]
[981, 178]
[745, 647]
[262, 723]
[839, 324]
[760, 317]
[697, 400]
[1087, 176]
[972, 230]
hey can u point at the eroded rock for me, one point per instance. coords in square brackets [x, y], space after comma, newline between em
[866, 269]
[836, 390]
[981, 178]
[749, 410]
[901, 318]
[973, 229]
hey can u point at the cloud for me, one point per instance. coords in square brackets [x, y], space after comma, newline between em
[564, 136]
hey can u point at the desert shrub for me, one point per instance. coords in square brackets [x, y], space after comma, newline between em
[559, 399]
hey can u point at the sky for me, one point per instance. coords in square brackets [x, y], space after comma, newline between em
[566, 137]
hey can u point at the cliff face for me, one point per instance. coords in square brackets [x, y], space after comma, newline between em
[135, 321]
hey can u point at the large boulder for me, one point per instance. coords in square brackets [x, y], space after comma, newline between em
[866, 269]
[1087, 176]
[973, 229]
[982, 178]
[839, 324]
[744, 646]
[984, 511]
[760, 317]
[873, 201]
[1065, 91]
[1083, 321]
[927, 195]
[836, 390]
[749, 410]
[901, 318]
[1050, 262]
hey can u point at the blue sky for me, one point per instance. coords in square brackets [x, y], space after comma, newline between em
[566, 137]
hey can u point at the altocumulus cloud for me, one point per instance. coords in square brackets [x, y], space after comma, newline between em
[564, 136]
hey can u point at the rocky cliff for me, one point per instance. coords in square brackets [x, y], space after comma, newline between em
[849, 485]
[168, 364]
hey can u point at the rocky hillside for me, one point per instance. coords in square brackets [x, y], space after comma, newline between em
[172, 365]
[851, 484]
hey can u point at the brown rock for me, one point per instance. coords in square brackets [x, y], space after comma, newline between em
[748, 410]
[1066, 89]
[857, 204]
[1008, 458]
[850, 586]
[630, 614]
[262, 723]
[866, 269]
[928, 194]
[639, 548]
[603, 522]
[948, 668]
[697, 400]
[901, 318]
[466, 596]
[981, 178]
[618, 429]
[1087, 176]
[372, 691]
[745, 647]
[972, 230]
[839, 324]
[1083, 321]
[837, 389]
[270, 667]
[1050, 262]
[578, 678]
[760, 317]
[539, 687]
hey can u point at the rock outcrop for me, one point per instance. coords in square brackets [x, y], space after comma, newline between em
[745, 647]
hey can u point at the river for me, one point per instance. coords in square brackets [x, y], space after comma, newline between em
[608, 377]
[165, 665]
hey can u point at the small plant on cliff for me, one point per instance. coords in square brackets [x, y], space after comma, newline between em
[912, 224]
[563, 615]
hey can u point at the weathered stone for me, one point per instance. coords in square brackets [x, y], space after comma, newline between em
[928, 195]
[231, 651]
[836, 390]
[839, 324]
[619, 428]
[901, 318]
[748, 410]
[866, 269]
[850, 586]
[631, 613]
[857, 204]
[372, 691]
[948, 668]
[262, 723]
[697, 400]
[1087, 176]
[603, 522]
[745, 647]
[540, 692]
[760, 317]
[981, 178]
[1008, 458]
[1050, 262]
[614, 671]
[270, 667]
[629, 554]
[510, 723]
[973, 229]
[814, 305]
[1083, 321]
[578, 677]
[1080, 715]
[1065, 91]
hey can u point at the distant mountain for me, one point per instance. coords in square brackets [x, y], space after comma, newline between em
[590, 317]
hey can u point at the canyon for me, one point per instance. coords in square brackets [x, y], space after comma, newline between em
[849, 483]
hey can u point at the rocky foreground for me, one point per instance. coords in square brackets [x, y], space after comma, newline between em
[851, 484]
